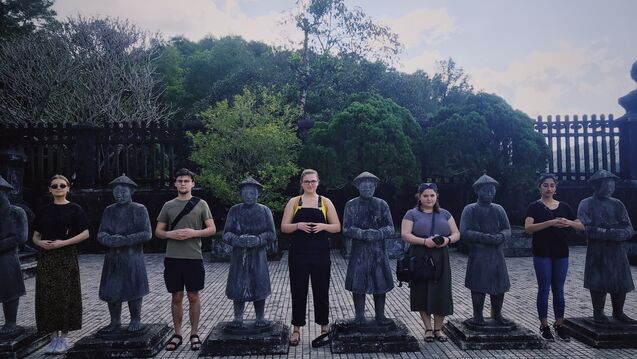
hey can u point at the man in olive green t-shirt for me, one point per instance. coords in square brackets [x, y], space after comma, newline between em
[183, 265]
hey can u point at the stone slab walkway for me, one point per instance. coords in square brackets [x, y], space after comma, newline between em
[519, 305]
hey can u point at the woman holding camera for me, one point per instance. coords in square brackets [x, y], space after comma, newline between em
[429, 230]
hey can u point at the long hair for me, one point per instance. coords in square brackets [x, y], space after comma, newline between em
[307, 171]
[425, 186]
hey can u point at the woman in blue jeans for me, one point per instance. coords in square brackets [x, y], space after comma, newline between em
[551, 222]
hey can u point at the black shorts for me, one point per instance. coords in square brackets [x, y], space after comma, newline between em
[180, 273]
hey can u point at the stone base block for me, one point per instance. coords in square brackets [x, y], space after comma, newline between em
[349, 337]
[224, 340]
[144, 344]
[612, 335]
[25, 343]
[488, 338]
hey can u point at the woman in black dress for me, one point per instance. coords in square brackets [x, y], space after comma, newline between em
[58, 228]
[309, 217]
[431, 296]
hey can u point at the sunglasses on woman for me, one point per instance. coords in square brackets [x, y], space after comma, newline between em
[56, 186]
[424, 186]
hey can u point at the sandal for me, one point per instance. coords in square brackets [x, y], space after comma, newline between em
[429, 338]
[440, 336]
[196, 345]
[172, 345]
[294, 340]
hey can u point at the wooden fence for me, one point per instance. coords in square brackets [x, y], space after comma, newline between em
[581, 146]
[93, 156]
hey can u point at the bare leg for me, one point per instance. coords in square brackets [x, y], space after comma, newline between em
[439, 321]
[195, 311]
[135, 309]
[177, 311]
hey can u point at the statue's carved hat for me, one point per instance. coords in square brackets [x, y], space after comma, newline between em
[250, 182]
[123, 179]
[600, 175]
[484, 179]
[365, 176]
[4, 185]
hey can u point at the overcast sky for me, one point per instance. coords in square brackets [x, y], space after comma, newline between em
[543, 56]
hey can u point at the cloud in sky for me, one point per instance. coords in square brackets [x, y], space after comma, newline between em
[422, 27]
[538, 75]
[194, 21]
[544, 81]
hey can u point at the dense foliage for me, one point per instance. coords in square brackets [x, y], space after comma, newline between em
[252, 135]
[22, 17]
[370, 134]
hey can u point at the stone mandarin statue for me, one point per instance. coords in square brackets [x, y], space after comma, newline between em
[13, 233]
[367, 221]
[607, 226]
[484, 226]
[249, 229]
[124, 228]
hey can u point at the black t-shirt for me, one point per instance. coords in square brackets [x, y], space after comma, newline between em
[55, 221]
[552, 241]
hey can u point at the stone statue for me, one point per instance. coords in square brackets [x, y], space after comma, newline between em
[484, 226]
[629, 102]
[249, 229]
[607, 226]
[13, 233]
[124, 228]
[367, 221]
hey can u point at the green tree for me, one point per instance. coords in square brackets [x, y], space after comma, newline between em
[371, 134]
[253, 136]
[485, 134]
[22, 17]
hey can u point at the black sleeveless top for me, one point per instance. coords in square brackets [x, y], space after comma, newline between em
[309, 243]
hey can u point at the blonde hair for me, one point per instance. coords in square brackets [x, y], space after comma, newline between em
[307, 171]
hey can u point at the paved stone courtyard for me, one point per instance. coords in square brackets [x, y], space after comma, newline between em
[519, 305]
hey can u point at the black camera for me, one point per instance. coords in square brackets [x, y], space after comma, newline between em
[439, 240]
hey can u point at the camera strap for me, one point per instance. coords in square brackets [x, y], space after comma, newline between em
[187, 208]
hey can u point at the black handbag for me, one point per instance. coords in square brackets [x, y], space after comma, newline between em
[416, 268]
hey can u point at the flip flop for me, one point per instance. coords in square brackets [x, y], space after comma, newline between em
[196, 345]
[173, 345]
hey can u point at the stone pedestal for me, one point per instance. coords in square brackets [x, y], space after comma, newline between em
[612, 335]
[25, 343]
[121, 344]
[371, 337]
[492, 336]
[224, 340]
[519, 245]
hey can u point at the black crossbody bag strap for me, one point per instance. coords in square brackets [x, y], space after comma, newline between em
[187, 208]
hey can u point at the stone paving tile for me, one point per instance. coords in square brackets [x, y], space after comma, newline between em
[519, 305]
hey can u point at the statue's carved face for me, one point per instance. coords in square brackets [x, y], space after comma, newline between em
[605, 188]
[366, 188]
[250, 195]
[122, 194]
[486, 193]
